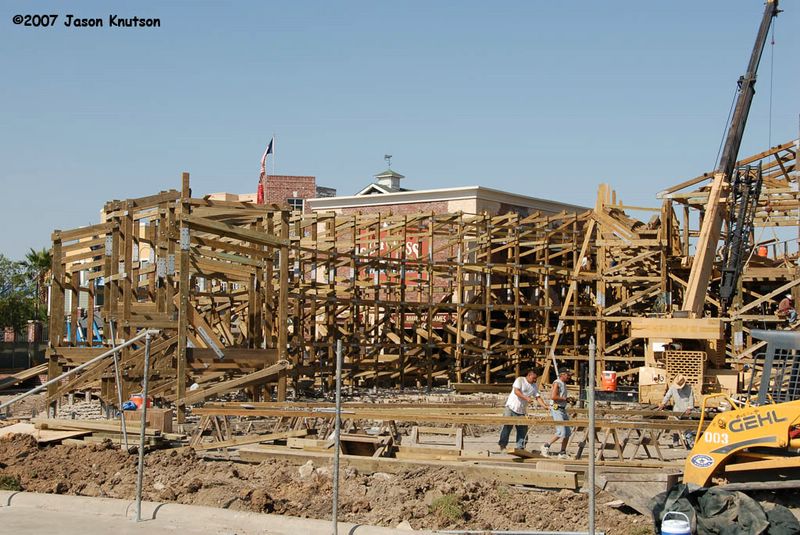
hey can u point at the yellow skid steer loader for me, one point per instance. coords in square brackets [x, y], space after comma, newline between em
[755, 444]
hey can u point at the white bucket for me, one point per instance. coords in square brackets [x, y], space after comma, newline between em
[675, 526]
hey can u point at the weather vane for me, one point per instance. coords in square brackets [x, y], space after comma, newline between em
[388, 158]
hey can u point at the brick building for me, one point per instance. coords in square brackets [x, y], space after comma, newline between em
[385, 195]
[293, 190]
[283, 190]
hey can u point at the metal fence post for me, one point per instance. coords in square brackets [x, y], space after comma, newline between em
[118, 379]
[140, 472]
[337, 437]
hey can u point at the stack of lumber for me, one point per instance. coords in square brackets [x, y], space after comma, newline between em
[42, 436]
[47, 430]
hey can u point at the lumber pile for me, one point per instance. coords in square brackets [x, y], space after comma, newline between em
[95, 431]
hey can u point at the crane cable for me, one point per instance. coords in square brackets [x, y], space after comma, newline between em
[771, 77]
[736, 91]
[725, 128]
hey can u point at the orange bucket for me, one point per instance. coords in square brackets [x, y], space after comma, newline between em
[609, 383]
[137, 400]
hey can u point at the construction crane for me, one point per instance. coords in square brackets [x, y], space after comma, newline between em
[741, 203]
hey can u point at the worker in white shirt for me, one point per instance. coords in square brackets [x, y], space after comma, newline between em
[523, 392]
[682, 396]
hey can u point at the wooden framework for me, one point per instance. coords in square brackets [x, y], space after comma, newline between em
[248, 295]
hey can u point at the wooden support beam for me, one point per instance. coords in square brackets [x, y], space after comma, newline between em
[252, 378]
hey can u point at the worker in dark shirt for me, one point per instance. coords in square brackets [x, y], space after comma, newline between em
[786, 309]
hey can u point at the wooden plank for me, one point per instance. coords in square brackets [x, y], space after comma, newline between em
[253, 378]
[83, 232]
[706, 249]
[42, 436]
[19, 377]
[763, 299]
[512, 474]
[678, 328]
[92, 425]
[534, 420]
[230, 231]
[183, 305]
[249, 439]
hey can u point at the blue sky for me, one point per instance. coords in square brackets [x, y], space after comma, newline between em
[542, 98]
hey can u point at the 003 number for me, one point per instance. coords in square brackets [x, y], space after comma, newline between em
[715, 438]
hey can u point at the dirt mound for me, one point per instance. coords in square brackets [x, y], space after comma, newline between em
[425, 497]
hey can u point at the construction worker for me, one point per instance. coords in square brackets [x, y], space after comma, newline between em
[558, 410]
[523, 391]
[786, 309]
[682, 397]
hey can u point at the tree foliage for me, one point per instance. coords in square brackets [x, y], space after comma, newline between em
[19, 294]
[37, 265]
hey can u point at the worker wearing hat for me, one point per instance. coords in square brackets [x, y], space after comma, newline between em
[558, 410]
[682, 396]
[786, 308]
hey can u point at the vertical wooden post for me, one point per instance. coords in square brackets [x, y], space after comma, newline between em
[183, 298]
[269, 287]
[459, 299]
[56, 318]
[355, 311]
[515, 281]
[376, 291]
[402, 320]
[431, 308]
[90, 312]
[313, 334]
[162, 233]
[74, 298]
[283, 302]
[601, 266]
[487, 298]
[107, 267]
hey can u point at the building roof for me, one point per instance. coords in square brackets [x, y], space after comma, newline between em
[389, 174]
[443, 194]
[387, 181]
[373, 188]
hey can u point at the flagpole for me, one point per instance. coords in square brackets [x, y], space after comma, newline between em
[273, 153]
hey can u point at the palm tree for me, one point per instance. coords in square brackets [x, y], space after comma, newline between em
[38, 264]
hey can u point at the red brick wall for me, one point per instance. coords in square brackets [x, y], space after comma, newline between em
[438, 207]
[281, 187]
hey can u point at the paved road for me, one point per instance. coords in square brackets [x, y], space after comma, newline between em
[36, 521]
[31, 513]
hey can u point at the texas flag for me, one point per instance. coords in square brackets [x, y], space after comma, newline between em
[270, 150]
[262, 177]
